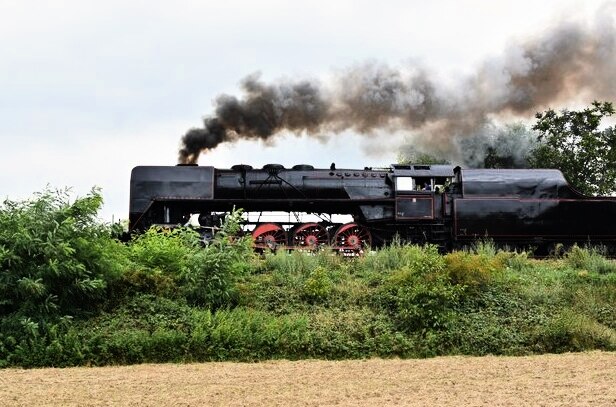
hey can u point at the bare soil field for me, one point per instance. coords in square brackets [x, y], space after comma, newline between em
[548, 380]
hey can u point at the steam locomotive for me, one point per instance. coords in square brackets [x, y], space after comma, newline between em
[438, 204]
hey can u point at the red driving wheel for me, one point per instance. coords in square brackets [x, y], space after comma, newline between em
[269, 236]
[309, 236]
[351, 238]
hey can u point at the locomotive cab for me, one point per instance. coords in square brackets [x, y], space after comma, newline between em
[426, 178]
[416, 188]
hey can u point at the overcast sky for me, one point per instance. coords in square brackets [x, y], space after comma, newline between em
[90, 89]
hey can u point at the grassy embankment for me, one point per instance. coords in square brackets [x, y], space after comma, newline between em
[72, 295]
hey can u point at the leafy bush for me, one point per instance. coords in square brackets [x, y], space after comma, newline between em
[244, 334]
[472, 270]
[55, 258]
[139, 280]
[419, 295]
[498, 319]
[318, 286]
[267, 292]
[29, 343]
[211, 277]
[355, 333]
[165, 251]
[146, 328]
[175, 263]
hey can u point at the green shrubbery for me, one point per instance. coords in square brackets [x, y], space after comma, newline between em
[418, 294]
[589, 260]
[214, 270]
[55, 259]
[173, 263]
[72, 295]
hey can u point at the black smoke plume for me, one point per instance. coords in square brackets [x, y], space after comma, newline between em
[570, 62]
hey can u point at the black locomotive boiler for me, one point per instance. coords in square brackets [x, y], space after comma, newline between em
[438, 204]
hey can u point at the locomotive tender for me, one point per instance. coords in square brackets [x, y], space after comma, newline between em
[438, 204]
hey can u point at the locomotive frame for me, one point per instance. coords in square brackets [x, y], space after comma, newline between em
[455, 207]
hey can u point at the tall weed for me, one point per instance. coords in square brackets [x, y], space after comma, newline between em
[397, 255]
[589, 259]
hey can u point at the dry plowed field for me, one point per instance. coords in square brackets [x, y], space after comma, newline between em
[552, 380]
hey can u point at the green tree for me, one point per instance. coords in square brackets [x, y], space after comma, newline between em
[572, 142]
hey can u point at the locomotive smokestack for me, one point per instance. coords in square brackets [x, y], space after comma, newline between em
[568, 62]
